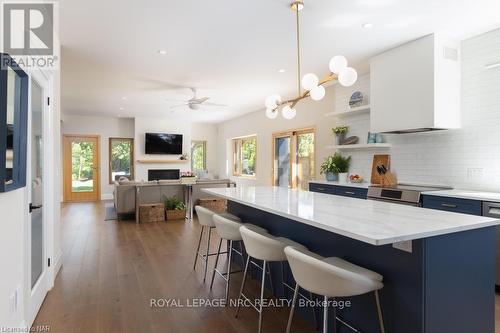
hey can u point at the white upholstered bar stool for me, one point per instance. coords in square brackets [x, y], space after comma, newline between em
[331, 277]
[229, 230]
[265, 247]
[205, 217]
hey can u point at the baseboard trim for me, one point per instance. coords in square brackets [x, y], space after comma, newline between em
[106, 196]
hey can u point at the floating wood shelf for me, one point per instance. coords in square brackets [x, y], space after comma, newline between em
[357, 110]
[361, 146]
[162, 161]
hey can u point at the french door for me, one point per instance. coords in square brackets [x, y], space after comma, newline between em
[294, 158]
[81, 176]
[39, 204]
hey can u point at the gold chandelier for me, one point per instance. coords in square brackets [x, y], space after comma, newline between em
[311, 84]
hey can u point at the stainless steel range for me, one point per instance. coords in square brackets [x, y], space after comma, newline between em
[405, 194]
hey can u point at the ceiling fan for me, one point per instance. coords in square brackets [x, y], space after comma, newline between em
[195, 102]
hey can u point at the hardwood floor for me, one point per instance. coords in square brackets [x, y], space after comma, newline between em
[112, 269]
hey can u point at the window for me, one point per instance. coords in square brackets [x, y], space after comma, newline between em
[121, 155]
[198, 156]
[294, 158]
[245, 156]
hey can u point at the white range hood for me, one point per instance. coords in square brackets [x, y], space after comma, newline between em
[415, 87]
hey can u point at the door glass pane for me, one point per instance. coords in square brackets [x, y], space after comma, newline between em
[121, 159]
[36, 182]
[282, 158]
[82, 166]
[12, 104]
[305, 159]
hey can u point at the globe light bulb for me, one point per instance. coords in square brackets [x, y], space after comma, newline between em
[288, 112]
[271, 114]
[309, 81]
[272, 101]
[337, 64]
[318, 93]
[348, 77]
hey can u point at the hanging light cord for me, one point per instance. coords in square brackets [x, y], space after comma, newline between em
[298, 49]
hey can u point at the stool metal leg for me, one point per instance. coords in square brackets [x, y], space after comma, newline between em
[198, 248]
[216, 262]
[325, 315]
[206, 253]
[262, 294]
[229, 270]
[335, 327]
[292, 309]
[271, 284]
[242, 286]
[379, 311]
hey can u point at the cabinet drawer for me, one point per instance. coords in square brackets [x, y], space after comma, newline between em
[456, 205]
[314, 187]
[354, 192]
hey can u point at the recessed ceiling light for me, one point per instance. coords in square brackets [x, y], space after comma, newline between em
[124, 98]
[122, 108]
[162, 52]
[367, 25]
[281, 70]
[493, 65]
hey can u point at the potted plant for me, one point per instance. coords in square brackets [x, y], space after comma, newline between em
[342, 164]
[175, 209]
[340, 132]
[187, 177]
[329, 168]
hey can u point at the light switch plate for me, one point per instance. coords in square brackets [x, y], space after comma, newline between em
[406, 246]
[475, 173]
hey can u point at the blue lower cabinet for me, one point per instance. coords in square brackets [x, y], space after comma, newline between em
[457, 205]
[354, 192]
[321, 188]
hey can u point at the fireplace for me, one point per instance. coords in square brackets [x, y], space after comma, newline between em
[163, 174]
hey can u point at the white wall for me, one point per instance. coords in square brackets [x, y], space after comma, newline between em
[309, 113]
[442, 157]
[189, 131]
[207, 132]
[106, 127]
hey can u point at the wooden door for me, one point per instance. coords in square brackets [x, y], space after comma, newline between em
[81, 174]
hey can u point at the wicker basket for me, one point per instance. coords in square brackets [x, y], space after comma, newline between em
[151, 213]
[214, 204]
[176, 214]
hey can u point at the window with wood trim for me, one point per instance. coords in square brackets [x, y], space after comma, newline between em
[198, 156]
[121, 158]
[245, 156]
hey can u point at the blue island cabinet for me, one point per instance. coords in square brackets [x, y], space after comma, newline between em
[442, 286]
[343, 190]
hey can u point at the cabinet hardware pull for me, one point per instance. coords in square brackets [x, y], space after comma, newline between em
[349, 192]
[448, 205]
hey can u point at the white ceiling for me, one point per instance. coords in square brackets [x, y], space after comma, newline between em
[231, 49]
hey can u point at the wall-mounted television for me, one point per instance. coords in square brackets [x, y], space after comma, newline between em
[161, 143]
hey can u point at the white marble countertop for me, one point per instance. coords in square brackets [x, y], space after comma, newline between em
[336, 183]
[467, 194]
[373, 222]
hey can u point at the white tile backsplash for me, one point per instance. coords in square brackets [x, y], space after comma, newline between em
[444, 157]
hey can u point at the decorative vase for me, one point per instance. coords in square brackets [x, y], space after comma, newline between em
[343, 177]
[332, 176]
[339, 139]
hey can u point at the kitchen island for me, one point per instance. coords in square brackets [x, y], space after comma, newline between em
[438, 267]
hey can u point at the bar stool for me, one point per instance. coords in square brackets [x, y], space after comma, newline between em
[229, 230]
[265, 247]
[331, 277]
[205, 217]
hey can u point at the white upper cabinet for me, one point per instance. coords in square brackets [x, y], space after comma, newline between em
[416, 87]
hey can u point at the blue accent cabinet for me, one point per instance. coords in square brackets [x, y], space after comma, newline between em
[343, 190]
[456, 205]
